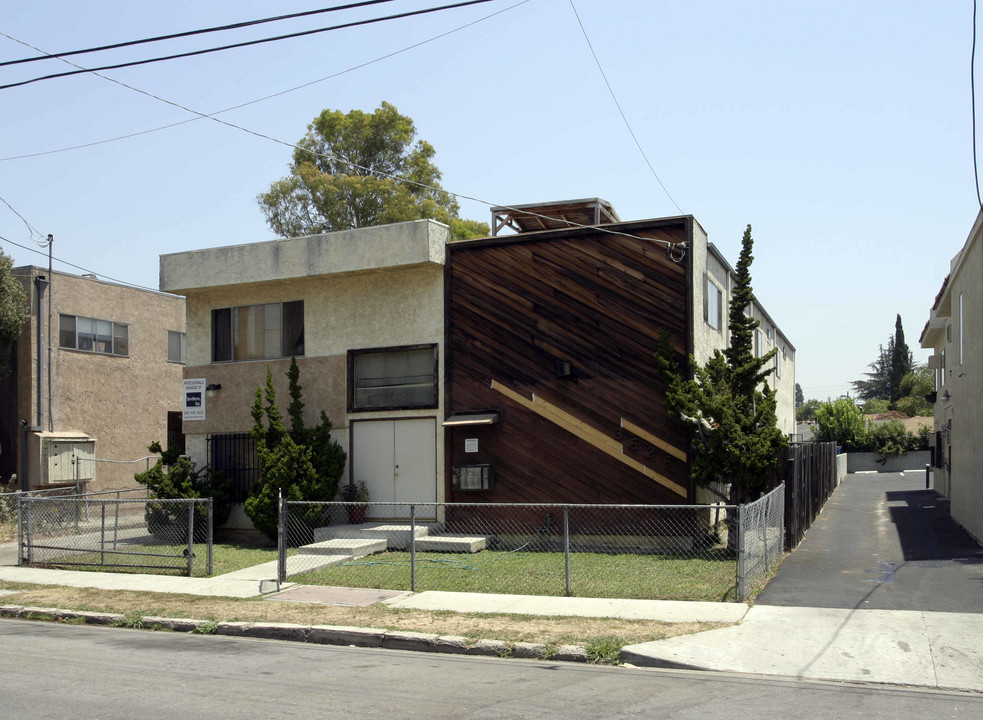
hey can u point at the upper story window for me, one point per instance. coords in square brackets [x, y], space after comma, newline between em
[258, 332]
[392, 378]
[89, 335]
[175, 346]
[713, 305]
[778, 365]
[757, 343]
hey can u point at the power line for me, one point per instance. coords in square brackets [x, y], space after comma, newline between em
[668, 243]
[31, 229]
[79, 267]
[248, 43]
[618, 104]
[190, 33]
[266, 97]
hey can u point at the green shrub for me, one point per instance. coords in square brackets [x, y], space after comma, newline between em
[175, 477]
[304, 463]
[840, 421]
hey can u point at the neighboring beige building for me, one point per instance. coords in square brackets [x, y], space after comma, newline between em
[955, 335]
[106, 386]
[362, 311]
[712, 293]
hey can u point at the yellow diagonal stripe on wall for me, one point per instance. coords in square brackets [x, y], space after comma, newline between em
[650, 438]
[588, 434]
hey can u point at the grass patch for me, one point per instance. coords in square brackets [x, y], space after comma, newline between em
[655, 577]
[226, 558]
[549, 631]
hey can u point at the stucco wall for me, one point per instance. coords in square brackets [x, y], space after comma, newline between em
[708, 262]
[122, 402]
[372, 307]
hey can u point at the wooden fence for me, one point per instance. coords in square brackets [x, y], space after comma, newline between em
[809, 473]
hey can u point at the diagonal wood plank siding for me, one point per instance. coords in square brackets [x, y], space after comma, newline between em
[598, 301]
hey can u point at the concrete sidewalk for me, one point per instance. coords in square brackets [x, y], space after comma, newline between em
[900, 647]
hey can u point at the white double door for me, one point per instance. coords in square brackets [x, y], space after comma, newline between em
[397, 460]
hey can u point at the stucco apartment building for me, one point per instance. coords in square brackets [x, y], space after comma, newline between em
[514, 368]
[954, 333]
[97, 378]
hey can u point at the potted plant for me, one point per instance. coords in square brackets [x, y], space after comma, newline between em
[357, 495]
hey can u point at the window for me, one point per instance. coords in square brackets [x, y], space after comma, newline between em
[98, 336]
[175, 346]
[778, 365]
[769, 334]
[392, 378]
[258, 332]
[713, 305]
[942, 368]
[757, 343]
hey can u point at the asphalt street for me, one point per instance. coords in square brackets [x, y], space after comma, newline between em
[61, 672]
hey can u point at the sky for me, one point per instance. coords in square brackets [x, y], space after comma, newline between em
[842, 132]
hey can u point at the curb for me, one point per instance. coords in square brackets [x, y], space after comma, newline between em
[321, 635]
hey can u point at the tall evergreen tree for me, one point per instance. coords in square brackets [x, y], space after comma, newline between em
[901, 361]
[728, 405]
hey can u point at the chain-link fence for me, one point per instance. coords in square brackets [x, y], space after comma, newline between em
[762, 541]
[101, 474]
[106, 530]
[8, 507]
[618, 551]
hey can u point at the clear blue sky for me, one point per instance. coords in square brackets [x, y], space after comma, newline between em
[841, 131]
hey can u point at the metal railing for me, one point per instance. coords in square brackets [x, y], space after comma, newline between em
[98, 530]
[620, 551]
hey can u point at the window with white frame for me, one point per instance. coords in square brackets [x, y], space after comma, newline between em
[175, 346]
[90, 335]
[713, 305]
[778, 365]
[258, 332]
[392, 378]
[757, 343]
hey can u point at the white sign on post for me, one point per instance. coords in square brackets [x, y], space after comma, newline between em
[194, 399]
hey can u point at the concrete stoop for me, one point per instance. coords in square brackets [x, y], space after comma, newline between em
[336, 539]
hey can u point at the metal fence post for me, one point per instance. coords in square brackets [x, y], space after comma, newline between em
[20, 531]
[412, 548]
[102, 535]
[281, 541]
[191, 537]
[741, 579]
[928, 470]
[209, 504]
[566, 547]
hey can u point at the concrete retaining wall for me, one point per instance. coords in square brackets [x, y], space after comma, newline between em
[871, 462]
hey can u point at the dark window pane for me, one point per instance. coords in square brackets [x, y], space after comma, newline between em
[293, 329]
[121, 339]
[222, 335]
[395, 379]
[66, 333]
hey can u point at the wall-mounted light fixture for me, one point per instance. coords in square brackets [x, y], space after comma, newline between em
[945, 395]
[563, 368]
[212, 390]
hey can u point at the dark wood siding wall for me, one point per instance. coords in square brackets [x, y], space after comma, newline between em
[517, 305]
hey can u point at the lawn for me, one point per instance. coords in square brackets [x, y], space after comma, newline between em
[226, 558]
[656, 577]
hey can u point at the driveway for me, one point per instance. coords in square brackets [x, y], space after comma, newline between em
[883, 542]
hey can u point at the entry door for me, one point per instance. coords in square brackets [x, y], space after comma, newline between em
[397, 460]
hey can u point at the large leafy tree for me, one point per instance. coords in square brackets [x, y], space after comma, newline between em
[359, 169]
[14, 312]
[727, 403]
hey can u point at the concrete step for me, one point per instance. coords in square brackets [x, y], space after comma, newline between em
[347, 547]
[452, 543]
[396, 534]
